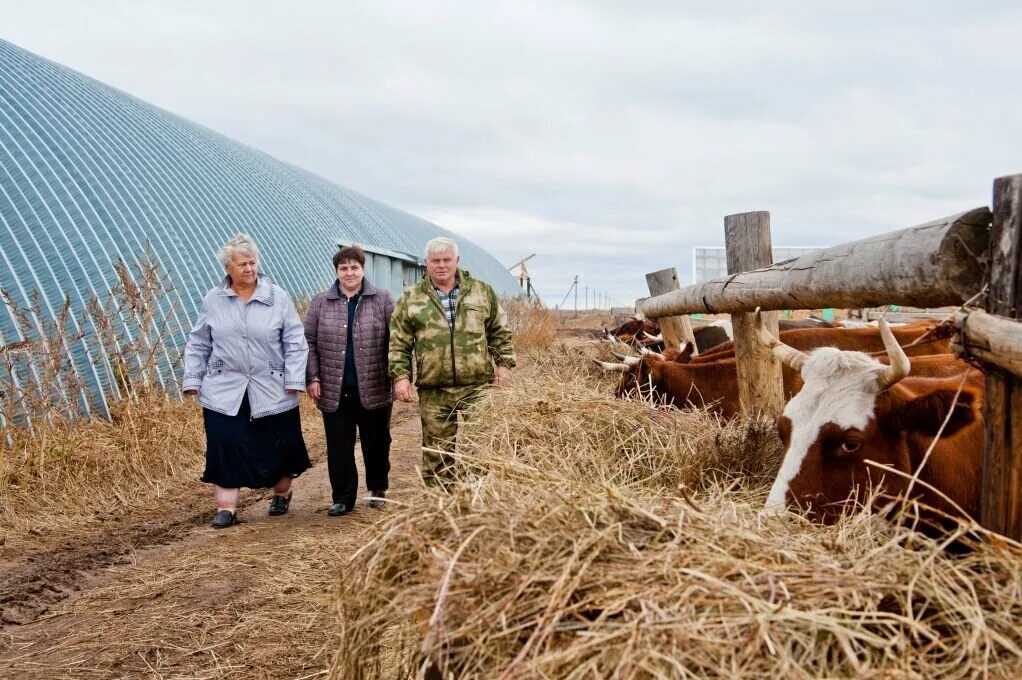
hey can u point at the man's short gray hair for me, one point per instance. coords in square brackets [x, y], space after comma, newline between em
[241, 243]
[441, 243]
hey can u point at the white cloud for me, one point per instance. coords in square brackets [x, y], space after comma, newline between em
[610, 136]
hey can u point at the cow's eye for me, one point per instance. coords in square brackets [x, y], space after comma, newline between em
[850, 445]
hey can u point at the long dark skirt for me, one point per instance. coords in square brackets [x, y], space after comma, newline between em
[241, 452]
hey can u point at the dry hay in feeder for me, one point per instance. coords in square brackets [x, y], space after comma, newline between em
[592, 537]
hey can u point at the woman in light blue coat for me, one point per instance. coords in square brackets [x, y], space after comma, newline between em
[245, 359]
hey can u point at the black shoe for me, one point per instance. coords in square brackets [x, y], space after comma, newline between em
[280, 504]
[377, 499]
[338, 509]
[224, 519]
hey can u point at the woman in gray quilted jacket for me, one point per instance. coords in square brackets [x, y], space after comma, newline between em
[347, 328]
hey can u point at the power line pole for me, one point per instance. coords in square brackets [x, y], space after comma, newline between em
[575, 286]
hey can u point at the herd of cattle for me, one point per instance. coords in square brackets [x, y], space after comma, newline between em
[869, 408]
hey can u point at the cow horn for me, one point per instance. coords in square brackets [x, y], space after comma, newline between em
[627, 360]
[614, 340]
[900, 365]
[619, 368]
[785, 354]
[650, 353]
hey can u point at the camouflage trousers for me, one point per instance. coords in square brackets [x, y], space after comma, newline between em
[439, 408]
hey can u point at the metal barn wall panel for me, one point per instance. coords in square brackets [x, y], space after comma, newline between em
[90, 175]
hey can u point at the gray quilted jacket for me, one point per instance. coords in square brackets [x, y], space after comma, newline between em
[326, 329]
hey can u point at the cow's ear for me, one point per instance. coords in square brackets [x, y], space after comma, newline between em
[926, 413]
[686, 353]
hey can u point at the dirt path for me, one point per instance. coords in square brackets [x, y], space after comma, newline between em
[178, 599]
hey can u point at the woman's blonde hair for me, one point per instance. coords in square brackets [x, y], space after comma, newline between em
[240, 243]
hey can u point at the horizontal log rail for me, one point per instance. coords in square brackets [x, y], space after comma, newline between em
[990, 338]
[937, 264]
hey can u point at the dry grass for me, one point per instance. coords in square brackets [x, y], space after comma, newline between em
[532, 325]
[63, 479]
[62, 473]
[589, 537]
[237, 609]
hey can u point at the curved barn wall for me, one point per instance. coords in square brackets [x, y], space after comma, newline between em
[90, 175]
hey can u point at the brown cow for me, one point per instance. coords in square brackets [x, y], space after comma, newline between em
[628, 331]
[853, 408]
[717, 335]
[715, 385]
[909, 336]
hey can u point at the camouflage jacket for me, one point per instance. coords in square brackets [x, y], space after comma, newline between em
[446, 356]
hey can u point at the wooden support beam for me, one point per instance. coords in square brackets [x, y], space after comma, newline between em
[676, 329]
[909, 317]
[990, 338]
[1002, 408]
[937, 264]
[760, 387]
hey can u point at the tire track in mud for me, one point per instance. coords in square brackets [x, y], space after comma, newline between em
[31, 585]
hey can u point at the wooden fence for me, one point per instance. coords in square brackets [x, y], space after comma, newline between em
[971, 260]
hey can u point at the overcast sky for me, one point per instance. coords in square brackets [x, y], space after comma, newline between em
[607, 137]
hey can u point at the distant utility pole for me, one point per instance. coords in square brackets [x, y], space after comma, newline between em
[575, 286]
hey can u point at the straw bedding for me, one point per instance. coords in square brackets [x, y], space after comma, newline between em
[593, 537]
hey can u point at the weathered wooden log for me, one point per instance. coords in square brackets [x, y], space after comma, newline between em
[760, 386]
[675, 329]
[990, 338]
[1001, 509]
[932, 265]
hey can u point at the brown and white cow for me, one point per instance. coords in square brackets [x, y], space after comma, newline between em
[714, 385]
[923, 338]
[853, 408]
[627, 332]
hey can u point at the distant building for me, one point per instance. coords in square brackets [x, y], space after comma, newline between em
[711, 262]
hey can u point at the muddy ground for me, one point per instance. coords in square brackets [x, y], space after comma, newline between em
[171, 597]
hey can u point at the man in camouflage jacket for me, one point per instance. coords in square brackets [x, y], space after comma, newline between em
[461, 342]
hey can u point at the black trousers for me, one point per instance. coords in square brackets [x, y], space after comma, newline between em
[374, 430]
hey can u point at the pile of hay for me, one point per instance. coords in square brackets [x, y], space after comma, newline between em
[591, 537]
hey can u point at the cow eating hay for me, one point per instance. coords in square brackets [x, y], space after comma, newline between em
[591, 537]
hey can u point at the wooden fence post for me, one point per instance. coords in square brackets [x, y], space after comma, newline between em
[760, 386]
[1002, 410]
[675, 328]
